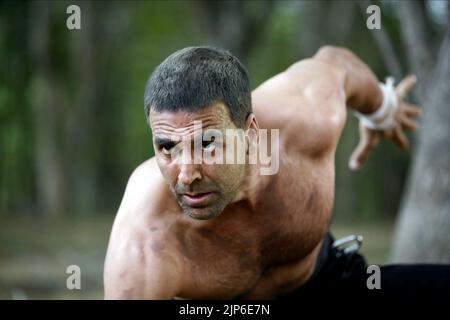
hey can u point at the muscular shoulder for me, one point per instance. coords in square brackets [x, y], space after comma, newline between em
[139, 262]
[306, 102]
[145, 188]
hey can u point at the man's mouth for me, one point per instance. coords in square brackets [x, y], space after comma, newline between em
[196, 199]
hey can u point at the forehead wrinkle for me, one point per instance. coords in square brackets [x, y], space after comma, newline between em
[167, 129]
[182, 123]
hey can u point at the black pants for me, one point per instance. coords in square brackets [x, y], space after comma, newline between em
[338, 273]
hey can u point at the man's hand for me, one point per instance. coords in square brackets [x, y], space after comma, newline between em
[405, 118]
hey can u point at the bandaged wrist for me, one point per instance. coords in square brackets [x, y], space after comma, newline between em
[384, 117]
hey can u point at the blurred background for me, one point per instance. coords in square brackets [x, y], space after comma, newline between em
[72, 124]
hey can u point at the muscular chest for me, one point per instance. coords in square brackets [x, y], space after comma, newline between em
[231, 256]
[292, 211]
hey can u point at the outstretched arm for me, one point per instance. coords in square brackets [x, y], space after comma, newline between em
[364, 96]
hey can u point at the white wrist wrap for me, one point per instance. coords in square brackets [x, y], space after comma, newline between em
[384, 117]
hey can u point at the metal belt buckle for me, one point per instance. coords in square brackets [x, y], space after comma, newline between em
[348, 244]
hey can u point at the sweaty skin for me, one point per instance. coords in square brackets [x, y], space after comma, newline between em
[266, 239]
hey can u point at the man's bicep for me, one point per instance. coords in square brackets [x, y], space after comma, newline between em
[318, 113]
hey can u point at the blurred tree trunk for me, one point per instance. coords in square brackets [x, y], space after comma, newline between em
[52, 184]
[85, 52]
[419, 47]
[234, 25]
[422, 231]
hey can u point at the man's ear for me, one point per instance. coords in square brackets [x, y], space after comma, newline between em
[251, 132]
[251, 122]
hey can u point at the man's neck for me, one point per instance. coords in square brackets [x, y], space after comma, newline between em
[251, 186]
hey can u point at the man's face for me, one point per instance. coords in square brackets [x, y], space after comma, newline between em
[202, 190]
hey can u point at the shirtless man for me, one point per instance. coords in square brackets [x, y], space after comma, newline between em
[224, 231]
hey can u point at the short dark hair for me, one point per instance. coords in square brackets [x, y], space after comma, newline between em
[194, 77]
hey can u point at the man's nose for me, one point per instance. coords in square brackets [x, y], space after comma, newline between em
[189, 173]
[190, 169]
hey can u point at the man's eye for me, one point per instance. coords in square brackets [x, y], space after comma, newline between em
[165, 150]
[208, 145]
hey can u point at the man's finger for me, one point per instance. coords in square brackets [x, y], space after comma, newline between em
[400, 139]
[412, 110]
[405, 85]
[409, 124]
[361, 152]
